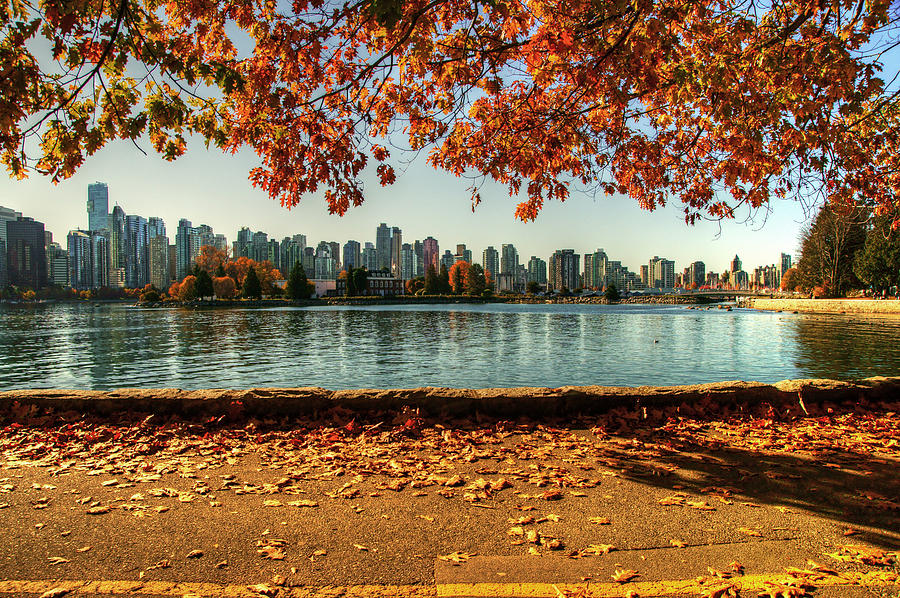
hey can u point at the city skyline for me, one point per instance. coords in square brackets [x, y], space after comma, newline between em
[209, 187]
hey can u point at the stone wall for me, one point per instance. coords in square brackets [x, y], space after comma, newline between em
[447, 402]
[830, 306]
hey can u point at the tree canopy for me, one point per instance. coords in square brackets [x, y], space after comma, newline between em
[718, 105]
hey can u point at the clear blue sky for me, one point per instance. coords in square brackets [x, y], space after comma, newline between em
[210, 187]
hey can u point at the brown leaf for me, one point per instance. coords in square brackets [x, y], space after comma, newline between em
[600, 520]
[57, 560]
[457, 557]
[750, 532]
[677, 543]
[551, 495]
[221, 564]
[163, 564]
[56, 592]
[263, 589]
[624, 575]
[598, 549]
[83, 549]
[194, 554]
[361, 547]
[303, 503]
[99, 510]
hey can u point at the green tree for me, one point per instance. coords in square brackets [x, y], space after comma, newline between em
[878, 263]
[220, 271]
[432, 282]
[360, 277]
[827, 248]
[444, 281]
[204, 284]
[611, 293]
[252, 288]
[297, 287]
[475, 280]
[533, 287]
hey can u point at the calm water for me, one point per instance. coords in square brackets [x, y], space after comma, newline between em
[113, 346]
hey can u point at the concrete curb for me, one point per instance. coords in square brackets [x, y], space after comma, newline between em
[443, 402]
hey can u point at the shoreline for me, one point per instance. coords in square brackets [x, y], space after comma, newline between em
[830, 306]
[564, 401]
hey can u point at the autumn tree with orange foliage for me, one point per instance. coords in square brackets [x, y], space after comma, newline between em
[458, 276]
[267, 274]
[210, 259]
[224, 287]
[718, 106]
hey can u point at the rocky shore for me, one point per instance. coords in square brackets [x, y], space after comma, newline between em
[830, 306]
[452, 402]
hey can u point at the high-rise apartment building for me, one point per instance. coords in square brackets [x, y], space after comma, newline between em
[137, 259]
[509, 259]
[383, 246]
[309, 261]
[660, 273]
[98, 206]
[785, 265]
[116, 223]
[259, 247]
[430, 254]
[325, 262]
[352, 255]
[736, 264]
[419, 251]
[447, 260]
[242, 245]
[396, 246]
[6, 215]
[26, 257]
[563, 270]
[490, 259]
[291, 253]
[273, 253]
[156, 227]
[187, 248]
[88, 259]
[537, 270]
[370, 257]
[57, 265]
[463, 254]
[695, 275]
[407, 262]
[595, 266]
[158, 253]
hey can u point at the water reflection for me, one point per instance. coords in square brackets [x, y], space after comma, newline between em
[103, 347]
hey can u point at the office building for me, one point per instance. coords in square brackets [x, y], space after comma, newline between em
[6, 215]
[98, 207]
[158, 254]
[352, 255]
[563, 270]
[509, 259]
[430, 254]
[695, 276]
[57, 265]
[407, 262]
[116, 221]
[187, 248]
[383, 247]
[88, 259]
[370, 257]
[490, 259]
[156, 227]
[26, 257]
[419, 251]
[137, 266]
[396, 246]
[537, 271]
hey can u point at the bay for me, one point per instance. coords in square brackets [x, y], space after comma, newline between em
[101, 347]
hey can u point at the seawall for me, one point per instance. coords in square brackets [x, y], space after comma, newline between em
[830, 306]
[496, 402]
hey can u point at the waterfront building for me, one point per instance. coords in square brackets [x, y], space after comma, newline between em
[156, 227]
[563, 269]
[88, 259]
[259, 247]
[116, 221]
[309, 261]
[419, 250]
[407, 262]
[6, 215]
[595, 266]
[26, 257]
[98, 206]
[430, 254]
[661, 273]
[537, 271]
[695, 275]
[273, 253]
[291, 253]
[172, 264]
[352, 255]
[242, 245]
[447, 260]
[187, 248]
[370, 257]
[509, 259]
[490, 258]
[158, 257]
[137, 265]
[383, 247]
[463, 254]
[57, 265]
[396, 246]
[378, 282]
[784, 265]
[335, 255]
[325, 264]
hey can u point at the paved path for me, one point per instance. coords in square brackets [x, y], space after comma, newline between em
[648, 504]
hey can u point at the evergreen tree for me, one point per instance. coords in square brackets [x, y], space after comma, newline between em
[204, 284]
[252, 288]
[611, 293]
[220, 271]
[475, 280]
[444, 278]
[360, 278]
[432, 282]
[297, 287]
[878, 263]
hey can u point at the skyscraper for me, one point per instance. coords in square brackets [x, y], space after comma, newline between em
[6, 215]
[187, 248]
[447, 260]
[88, 259]
[407, 262]
[26, 258]
[137, 258]
[419, 251]
[785, 264]
[156, 227]
[396, 245]
[98, 207]
[159, 261]
[537, 270]
[352, 255]
[660, 273]
[563, 269]
[491, 261]
[431, 255]
[595, 270]
[509, 259]
[117, 238]
[370, 257]
[57, 265]
[736, 264]
[383, 247]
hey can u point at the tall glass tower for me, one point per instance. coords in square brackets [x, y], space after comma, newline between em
[98, 206]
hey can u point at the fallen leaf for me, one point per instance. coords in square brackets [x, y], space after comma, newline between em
[163, 564]
[83, 549]
[99, 510]
[56, 592]
[599, 520]
[272, 503]
[194, 554]
[361, 547]
[457, 557]
[624, 575]
[57, 560]
[598, 549]
[750, 532]
[303, 503]
[677, 543]
[221, 564]
[263, 589]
